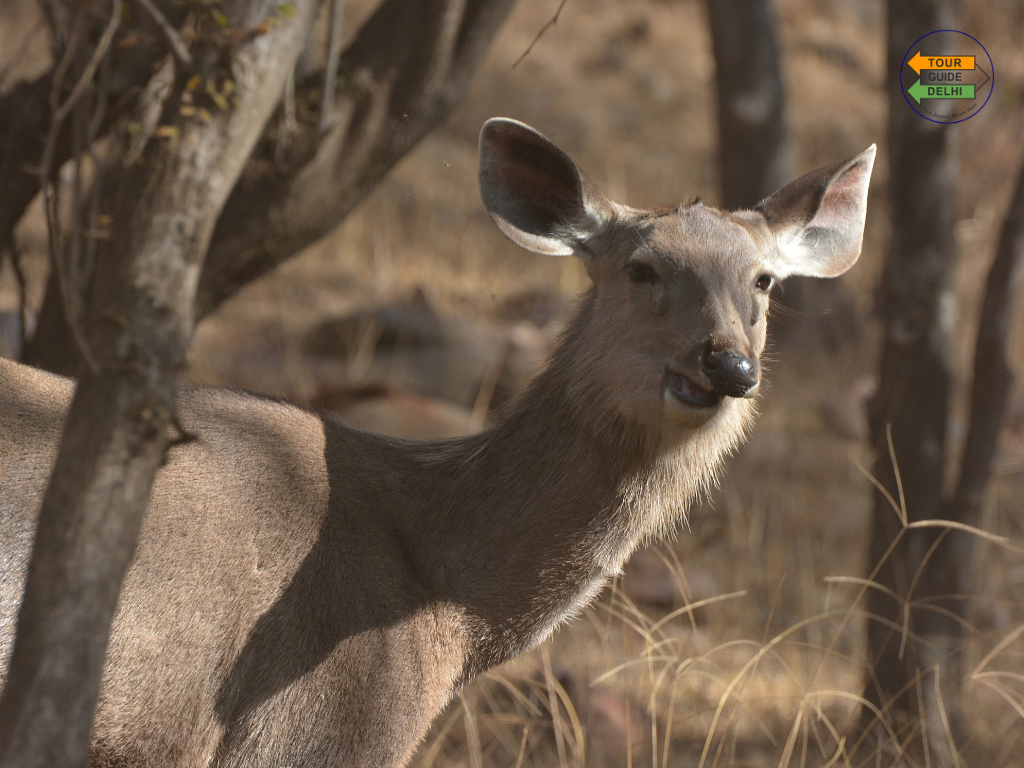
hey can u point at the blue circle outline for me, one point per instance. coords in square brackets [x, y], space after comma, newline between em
[990, 63]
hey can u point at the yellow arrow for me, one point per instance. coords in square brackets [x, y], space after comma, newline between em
[920, 62]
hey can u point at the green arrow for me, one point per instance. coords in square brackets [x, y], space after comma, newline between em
[961, 91]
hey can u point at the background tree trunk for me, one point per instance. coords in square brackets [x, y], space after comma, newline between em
[752, 131]
[916, 304]
[137, 323]
[990, 388]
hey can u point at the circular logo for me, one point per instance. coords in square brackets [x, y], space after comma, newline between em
[947, 76]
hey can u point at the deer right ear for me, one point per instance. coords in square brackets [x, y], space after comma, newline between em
[535, 194]
[818, 220]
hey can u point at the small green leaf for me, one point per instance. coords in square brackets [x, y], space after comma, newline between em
[286, 9]
[136, 129]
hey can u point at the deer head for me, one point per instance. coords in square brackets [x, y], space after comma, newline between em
[680, 296]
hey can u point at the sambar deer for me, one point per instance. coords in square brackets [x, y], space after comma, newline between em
[307, 594]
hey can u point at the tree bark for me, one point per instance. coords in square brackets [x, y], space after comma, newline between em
[138, 323]
[917, 307]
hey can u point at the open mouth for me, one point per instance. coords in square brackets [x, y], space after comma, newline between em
[687, 391]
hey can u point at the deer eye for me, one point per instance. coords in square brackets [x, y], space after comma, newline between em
[641, 272]
[764, 283]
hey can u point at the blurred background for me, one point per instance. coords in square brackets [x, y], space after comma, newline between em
[741, 642]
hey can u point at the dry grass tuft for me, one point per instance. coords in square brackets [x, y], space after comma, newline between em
[706, 684]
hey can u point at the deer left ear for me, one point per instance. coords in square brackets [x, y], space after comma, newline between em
[818, 220]
[535, 194]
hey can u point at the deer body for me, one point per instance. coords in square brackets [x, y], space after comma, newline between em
[308, 594]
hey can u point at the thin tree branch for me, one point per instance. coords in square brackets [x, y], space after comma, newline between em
[71, 309]
[69, 50]
[64, 271]
[551, 22]
[90, 70]
[26, 111]
[331, 74]
[173, 38]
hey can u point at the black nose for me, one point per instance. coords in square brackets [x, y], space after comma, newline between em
[730, 374]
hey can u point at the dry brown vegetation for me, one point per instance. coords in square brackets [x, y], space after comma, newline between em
[739, 643]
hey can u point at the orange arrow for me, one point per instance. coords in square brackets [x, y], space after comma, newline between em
[920, 62]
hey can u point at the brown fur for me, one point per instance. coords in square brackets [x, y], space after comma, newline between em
[308, 594]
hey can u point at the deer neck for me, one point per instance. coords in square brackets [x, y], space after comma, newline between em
[536, 514]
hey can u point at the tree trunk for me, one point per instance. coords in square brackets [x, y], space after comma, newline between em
[751, 101]
[908, 649]
[990, 388]
[137, 322]
[990, 391]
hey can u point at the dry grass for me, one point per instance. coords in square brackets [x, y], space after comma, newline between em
[768, 668]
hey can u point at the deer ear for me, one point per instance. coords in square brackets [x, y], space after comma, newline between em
[818, 220]
[535, 194]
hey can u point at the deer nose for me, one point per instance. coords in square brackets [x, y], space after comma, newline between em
[730, 374]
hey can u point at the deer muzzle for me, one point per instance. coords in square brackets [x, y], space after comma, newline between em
[730, 374]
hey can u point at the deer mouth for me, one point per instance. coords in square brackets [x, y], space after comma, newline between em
[689, 392]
